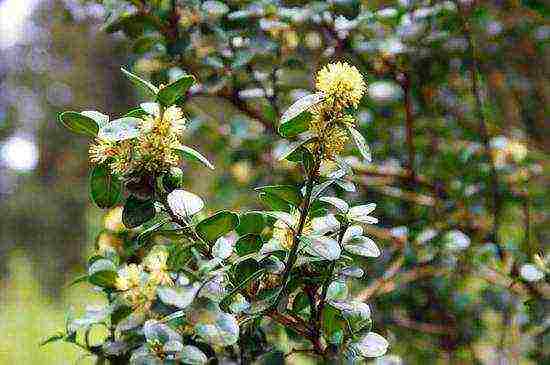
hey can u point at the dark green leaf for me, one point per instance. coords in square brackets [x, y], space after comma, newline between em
[78, 123]
[103, 278]
[217, 225]
[288, 193]
[248, 244]
[274, 202]
[245, 269]
[251, 222]
[137, 211]
[105, 188]
[169, 94]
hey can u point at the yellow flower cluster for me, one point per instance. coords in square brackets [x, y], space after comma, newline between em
[343, 86]
[152, 151]
[138, 287]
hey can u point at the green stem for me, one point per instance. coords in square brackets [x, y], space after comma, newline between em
[293, 255]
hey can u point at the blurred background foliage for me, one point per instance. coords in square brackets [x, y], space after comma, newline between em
[456, 117]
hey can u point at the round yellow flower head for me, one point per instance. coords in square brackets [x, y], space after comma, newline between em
[129, 277]
[156, 263]
[342, 84]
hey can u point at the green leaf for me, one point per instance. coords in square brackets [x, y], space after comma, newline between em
[105, 188]
[100, 118]
[169, 94]
[102, 273]
[274, 202]
[141, 83]
[194, 155]
[79, 279]
[288, 193]
[103, 278]
[136, 113]
[79, 123]
[53, 338]
[245, 269]
[360, 142]
[226, 300]
[294, 150]
[217, 225]
[121, 129]
[296, 119]
[251, 222]
[248, 244]
[137, 211]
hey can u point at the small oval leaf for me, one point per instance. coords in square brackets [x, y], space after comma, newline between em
[137, 211]
[79, 123]
[184, 203]
[169, 94]
[105, 188]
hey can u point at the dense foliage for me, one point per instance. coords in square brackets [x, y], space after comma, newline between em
[456, 172]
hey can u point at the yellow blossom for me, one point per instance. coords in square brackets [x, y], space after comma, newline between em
[332, 134]
[156, 263]
[102, 150]
[342, 84]
[129, 277]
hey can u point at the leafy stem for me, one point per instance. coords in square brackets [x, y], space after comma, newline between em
[304, 212]
[326, 283]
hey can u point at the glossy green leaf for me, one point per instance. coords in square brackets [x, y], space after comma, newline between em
[217, 225]
[251, 222]
[297, 117]
[105, 188]
[248, 244]
[274, 202]
[79, 123]
[169, 94]
[288, 193]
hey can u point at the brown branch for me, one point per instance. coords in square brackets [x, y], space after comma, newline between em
[373, 288]
[431, 328]
[494, 201]
[405, 82]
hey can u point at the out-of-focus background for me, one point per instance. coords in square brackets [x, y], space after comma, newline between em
[56, 55]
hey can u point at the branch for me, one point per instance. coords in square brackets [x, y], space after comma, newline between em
[380, 282]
